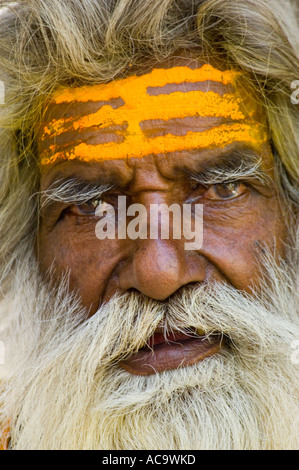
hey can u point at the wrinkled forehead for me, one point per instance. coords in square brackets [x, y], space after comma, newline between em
[164, 111]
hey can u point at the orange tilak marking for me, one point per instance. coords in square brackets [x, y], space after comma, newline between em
[174, 105]
[218, 136]
[156, 78]
[139, 106]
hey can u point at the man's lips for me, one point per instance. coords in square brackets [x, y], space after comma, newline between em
[177, 350]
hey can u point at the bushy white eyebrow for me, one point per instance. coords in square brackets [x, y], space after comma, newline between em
[72, 191]
[231, 168]
[244, 168]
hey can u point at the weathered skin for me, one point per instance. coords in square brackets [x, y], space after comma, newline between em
[234, 229]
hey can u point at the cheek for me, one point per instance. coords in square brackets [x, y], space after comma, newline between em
[90, 262]
[235, 242]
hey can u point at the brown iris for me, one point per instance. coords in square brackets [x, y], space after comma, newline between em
[222, 191]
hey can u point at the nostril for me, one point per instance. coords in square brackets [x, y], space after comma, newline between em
[157, 270]
[132, 290]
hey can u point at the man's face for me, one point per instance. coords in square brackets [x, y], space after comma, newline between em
[229, 170]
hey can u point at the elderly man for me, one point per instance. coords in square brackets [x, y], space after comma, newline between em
[115, 338]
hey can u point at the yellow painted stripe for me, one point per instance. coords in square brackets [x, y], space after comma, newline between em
[156, 78]
[252, 134]
[175, 105]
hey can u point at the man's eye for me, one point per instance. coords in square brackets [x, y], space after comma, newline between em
[88, 208]
[224, 191]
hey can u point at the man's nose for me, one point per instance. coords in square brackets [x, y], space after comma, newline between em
[159, 268]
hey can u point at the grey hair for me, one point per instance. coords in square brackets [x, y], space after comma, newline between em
[46, 44]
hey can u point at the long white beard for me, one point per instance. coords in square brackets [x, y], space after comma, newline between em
[65, 390]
